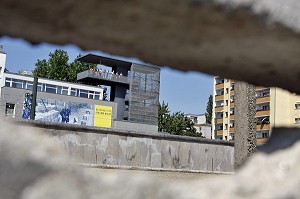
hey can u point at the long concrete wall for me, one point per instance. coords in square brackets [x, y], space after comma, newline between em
[94, 146]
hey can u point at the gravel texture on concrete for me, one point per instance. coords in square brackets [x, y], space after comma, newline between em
[251, 40]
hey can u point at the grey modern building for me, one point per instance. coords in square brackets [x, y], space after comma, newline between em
[133, 104]
[134, 87]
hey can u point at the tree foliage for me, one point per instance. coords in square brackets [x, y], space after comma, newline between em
[57, 67]
[209, 107]
[176, 123]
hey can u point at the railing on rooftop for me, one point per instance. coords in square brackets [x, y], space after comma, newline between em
[103, 75]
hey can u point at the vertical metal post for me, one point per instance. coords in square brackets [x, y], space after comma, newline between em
[34, 94]
[244, 119]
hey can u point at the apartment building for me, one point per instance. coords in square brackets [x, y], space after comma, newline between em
[275, 107]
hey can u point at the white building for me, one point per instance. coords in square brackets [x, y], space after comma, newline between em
[200, 125]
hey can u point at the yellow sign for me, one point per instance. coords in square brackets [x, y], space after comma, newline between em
[103, 116]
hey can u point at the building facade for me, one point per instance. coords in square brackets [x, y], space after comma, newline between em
[275, 107]
[200, 125]
[133, 104]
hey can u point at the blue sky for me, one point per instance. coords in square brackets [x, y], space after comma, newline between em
[183, 91]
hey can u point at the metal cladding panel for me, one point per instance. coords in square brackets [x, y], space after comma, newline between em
[144, 98]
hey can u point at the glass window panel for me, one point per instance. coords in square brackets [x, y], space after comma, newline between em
[83, 93]
[73, 92]
[40, 87]
[50, 90]
[59, 88]
[64, 92]
[7, 83]
[97, 97]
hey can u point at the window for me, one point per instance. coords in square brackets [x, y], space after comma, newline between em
[263, 93]
[8, 82]
[195, 120]
[226, 102]
[83, 93]
[263, 107]
[263, 120]
[10, 110]
[231, 123]
[219, 81]
[219, 103]
[16, 83]
[297, 106]
[49, 88]
[232, 86]
[265, 135]
[220, 92]
[29, 85]
[40, 87]
[232, 111]
[227, 90]
[62, 90]
[297, 120]
[226, 114]
[226, 126]
[74, 92]
[97, 97]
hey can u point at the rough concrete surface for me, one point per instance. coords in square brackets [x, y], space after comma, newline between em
[33, 166]
[251, 40]
[146, 151]
[244, 122]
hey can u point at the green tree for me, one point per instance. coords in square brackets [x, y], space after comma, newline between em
[209, 107]
[176, 123]
[163, 116]
[57, 67]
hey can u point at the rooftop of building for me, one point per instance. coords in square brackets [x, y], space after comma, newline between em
[71, 83]
[107, 61]
[208, 125]
[194, 115]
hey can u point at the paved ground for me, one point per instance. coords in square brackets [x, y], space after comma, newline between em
[165, 176]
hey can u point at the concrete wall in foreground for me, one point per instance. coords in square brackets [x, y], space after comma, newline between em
[143, 150]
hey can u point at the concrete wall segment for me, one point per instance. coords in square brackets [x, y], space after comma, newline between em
[102, 147]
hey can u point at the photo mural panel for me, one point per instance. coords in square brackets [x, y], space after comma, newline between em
[52, 110]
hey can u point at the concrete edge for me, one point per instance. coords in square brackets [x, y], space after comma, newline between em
[103, 166]
[90, 129]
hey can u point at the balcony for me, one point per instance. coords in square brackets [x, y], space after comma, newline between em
[263, 99]
[260, 87]
[231, 104]
[261, 140]
[219, 97]
[231, 117]
[231, 92]
[218, 86]
[102, 78]
[263, 126]
[231, 129]
[219, 132]
[262, 113]
[219, 108]
[219, 120]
